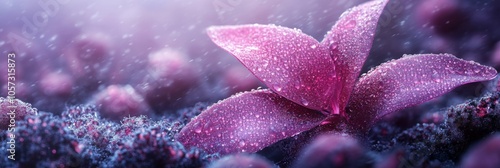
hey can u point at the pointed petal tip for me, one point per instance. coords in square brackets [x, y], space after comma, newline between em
[412, 80]
[293, 64]
[491, 72]
[247, 122]
[213, 31]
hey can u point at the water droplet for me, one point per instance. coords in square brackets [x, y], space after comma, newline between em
[265, 64]
[242, 143]
[278, 88]
[435, 76]
[351, 24]
[314, 46]
[297, 86]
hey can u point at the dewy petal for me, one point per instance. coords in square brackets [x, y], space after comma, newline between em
[409, 81]
[248, 122]
[292, 64]
[349, 43]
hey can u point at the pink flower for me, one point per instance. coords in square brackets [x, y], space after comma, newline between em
[313, 83]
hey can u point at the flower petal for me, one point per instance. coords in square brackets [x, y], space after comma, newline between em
[409, 81]
[350, 41]
[247, 122]
[292, 64]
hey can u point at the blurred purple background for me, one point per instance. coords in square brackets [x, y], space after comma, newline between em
[153, 57]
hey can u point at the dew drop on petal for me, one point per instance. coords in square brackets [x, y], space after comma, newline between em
[248, 122]
[242, 143]
[278, 88]
[197, 130]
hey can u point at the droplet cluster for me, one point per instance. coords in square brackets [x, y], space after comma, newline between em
[349, 44]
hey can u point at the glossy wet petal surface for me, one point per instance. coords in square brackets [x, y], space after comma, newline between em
[247, 122]
[349, 43]
[292, 64]
[412, 80]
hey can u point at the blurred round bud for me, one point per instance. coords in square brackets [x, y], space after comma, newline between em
[238, 79]
[241, 161]
[331, 151]
[87, 53]
[171, 75]
[116, 102]
[486, 154]
[13, 110]
[443, 16]
[56, 84]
